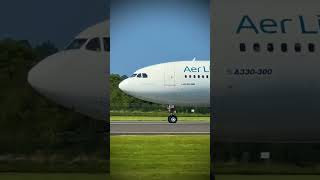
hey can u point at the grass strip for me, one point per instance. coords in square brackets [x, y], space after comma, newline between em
[160, 157]
[146, 118]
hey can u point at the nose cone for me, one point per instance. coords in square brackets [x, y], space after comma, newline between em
[73, 81]
[124, 86]
[44, 76]
[36, 78]
[32, 77]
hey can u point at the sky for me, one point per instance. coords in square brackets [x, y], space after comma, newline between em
[145, 32]
[55, 20]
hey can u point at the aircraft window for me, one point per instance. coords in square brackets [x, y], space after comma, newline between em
[76, 44]
[270, 47]
[242, 47]
[134, 75]
[311, 47]
[139, 75]
[297, 47]
[144, 75]
[106, 44]
[185, 76]
[94, 45]
[284, 47]
[256, 47]
[190, 76]
[202, 76]
[198, 76]
[207, 76]
[194, 76]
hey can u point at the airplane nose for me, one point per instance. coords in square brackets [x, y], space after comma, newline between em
[124, 86]
[40, 76]
[49, 76]
[34, 77]
[46, 78]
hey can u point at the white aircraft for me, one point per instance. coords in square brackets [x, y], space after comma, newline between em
[77, 76]
[266, 77]
[185, 83]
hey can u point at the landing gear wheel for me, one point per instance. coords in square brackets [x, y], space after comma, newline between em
[172, 119]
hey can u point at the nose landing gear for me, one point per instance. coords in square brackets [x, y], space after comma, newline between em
[172, 118]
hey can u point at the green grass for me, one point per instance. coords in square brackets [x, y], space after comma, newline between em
[32, 176]
[54, 166]
[160, 157]
[156, 114]
[266, 177]
[146, 118]
[261, 168]
[105, 177]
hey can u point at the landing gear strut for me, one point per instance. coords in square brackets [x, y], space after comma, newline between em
[172, 118]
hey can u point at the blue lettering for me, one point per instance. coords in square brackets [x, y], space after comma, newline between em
[205, 70]
[303, 27]
[283, 25]
[318, 20]
[268, 26]
[196, 69]
[247, 20]
[272, 26]
[187, 69]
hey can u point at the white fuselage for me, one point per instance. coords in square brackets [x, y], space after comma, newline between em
[265, 79]
[183, 83]
[76, 77]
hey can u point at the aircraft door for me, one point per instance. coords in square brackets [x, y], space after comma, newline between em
[169, 75]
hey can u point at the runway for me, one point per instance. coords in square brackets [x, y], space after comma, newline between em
[157, 128]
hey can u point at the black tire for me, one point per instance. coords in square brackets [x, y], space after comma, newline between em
[172, 119]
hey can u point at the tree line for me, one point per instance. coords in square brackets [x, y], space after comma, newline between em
[29, 123]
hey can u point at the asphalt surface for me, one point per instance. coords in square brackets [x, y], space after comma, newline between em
[141, 128]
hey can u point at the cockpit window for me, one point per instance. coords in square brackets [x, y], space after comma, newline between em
[106, 44]
[140, 75]
[94, 45]
[76, 44]
[144, 75]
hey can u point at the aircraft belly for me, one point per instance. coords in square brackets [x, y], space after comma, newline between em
[178, 97]
[184, 97]
[269, 119]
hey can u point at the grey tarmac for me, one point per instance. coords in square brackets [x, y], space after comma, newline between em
[158, 128]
